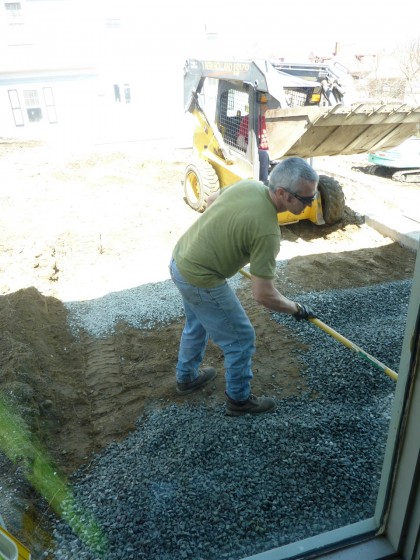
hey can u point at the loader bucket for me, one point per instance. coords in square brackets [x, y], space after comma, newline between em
[326, 131]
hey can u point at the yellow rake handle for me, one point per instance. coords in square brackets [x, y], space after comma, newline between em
[391, 373]
[245, 273]
[388, 371]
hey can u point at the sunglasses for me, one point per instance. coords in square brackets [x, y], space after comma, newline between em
[306, 200]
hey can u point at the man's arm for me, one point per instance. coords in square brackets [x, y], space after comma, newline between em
[266, 294]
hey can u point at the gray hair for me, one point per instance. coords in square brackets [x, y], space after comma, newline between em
[289, 173]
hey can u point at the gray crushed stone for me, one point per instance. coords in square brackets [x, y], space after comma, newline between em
[192, 483]
[146, 307]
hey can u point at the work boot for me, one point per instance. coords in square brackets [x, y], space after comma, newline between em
[252, 405]
[205, 375]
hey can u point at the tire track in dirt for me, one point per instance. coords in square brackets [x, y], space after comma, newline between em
[104, 382]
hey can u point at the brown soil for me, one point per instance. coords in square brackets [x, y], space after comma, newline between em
[78, 229]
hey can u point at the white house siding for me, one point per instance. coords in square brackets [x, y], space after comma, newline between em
[82, 51]
[80, 109]
[67, 103]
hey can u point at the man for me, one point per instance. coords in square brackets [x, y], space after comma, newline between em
[240, 226]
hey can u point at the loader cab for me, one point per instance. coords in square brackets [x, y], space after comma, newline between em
[233, 107]
[238, 111]
[230, 105]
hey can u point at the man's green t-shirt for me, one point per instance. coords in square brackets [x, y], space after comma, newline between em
[240, 227]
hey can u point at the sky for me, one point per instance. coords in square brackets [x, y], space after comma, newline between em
[226, 28]
[365, 25]
[307, 25]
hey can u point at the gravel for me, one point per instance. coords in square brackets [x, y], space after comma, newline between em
[146, 306]
[193, 483]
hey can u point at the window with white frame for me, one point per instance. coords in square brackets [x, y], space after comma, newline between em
[14, 12]
[117, 94]
[33, 105]
[50, 104]
[127, 93]
[122, 94]
[13, 8]
[16, 108]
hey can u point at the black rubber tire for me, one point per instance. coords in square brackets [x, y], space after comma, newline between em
[200, 181]
[332, 199]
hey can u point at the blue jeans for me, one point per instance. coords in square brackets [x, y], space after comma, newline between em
[216, 313]
[264, 164]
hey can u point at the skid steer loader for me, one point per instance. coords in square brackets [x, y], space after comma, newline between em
[220, 93]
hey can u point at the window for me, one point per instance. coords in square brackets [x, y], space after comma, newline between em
[125, 90]
[233, 107]
[14, 12]
[13, 8]
[127, 93]
[50, 105]
[15, 105]
[117, 94]
[33, 105]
